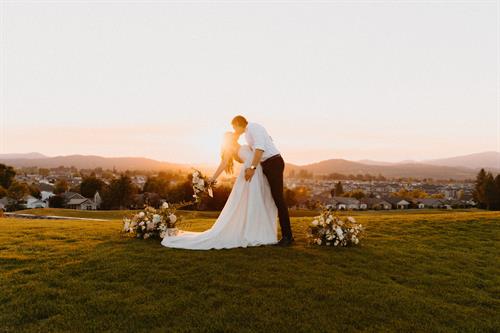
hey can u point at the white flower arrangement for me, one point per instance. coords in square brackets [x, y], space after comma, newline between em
[201, 186]
[151, 222]
[332, 230]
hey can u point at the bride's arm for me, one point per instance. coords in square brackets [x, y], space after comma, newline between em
[220, 169]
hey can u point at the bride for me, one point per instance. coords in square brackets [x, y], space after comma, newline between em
[249, 216]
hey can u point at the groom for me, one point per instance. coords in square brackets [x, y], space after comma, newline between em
[273, 166]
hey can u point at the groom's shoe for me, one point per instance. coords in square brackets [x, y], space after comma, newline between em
[285, 242]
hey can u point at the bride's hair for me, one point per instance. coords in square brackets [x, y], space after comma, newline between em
[227, 151]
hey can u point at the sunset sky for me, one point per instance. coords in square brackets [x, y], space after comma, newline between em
[383, 81]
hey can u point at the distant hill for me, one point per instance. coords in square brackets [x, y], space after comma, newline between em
[371, 162]
[22, 156]
[417, 170]
[489, 160]
[461, 167]
[90, 162]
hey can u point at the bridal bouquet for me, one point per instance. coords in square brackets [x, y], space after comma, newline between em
[152, 223]
[331, 230]
[200, 186]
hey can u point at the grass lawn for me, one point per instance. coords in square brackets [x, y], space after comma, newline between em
[414, 271]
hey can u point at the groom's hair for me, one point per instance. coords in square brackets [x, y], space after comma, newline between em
[239, 121]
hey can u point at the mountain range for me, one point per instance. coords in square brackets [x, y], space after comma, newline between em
[458, 167]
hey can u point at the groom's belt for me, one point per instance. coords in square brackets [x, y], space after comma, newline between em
[275, 157]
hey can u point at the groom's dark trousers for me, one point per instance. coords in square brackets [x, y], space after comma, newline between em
[273, 168]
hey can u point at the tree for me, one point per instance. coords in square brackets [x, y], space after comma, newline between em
[479, 195]
[497, 190]
[290, 198]
[3, 192]
[91, 185]
[183, 191]
[358, 194]
[221, 194]
[159, 185]
[7, 174]
[339, 189]
[489, 191]
[61, 186]
[17, 191]
[35, 191]
[120, 193]
[56, 201]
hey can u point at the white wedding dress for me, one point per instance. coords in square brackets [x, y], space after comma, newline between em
[247, 219]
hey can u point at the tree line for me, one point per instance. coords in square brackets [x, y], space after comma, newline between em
[487, 190]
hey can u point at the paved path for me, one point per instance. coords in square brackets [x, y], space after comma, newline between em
[44, 217]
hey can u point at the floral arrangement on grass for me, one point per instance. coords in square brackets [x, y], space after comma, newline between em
[200, 186]
[331, 230]
[152, 223]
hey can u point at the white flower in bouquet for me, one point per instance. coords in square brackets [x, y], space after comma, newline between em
[318, 241]
[339, 232]
[315, 223]
[156, 218]
[164, 205]
[173, 218]
[351, 219]
[141, 215]
[150, 226]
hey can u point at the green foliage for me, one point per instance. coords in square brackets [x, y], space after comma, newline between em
[56, 201]
[7, 174]
[34, 191]
[90, 185]
[339, 189]
[487, 190]
[221, 194]
[61, 186]
[413, 194]
[3, 192]
[119, 194]
[432, 272]
[290, 197]
[17, 191]
[358, 194]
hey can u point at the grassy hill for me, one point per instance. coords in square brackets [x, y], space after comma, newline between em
[436, 271]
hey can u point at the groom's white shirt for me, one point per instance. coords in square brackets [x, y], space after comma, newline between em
[258, 138]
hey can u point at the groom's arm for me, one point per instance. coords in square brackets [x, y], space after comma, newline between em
[257, 157]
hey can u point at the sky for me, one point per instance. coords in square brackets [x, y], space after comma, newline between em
[379, 80]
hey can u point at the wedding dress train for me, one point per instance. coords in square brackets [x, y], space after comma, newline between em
[247, 219]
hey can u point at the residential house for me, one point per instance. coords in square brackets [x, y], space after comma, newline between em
[376, 203]
[398, 203]
[345, 203]
[32, 202]
[429, 203]
[81, 204]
